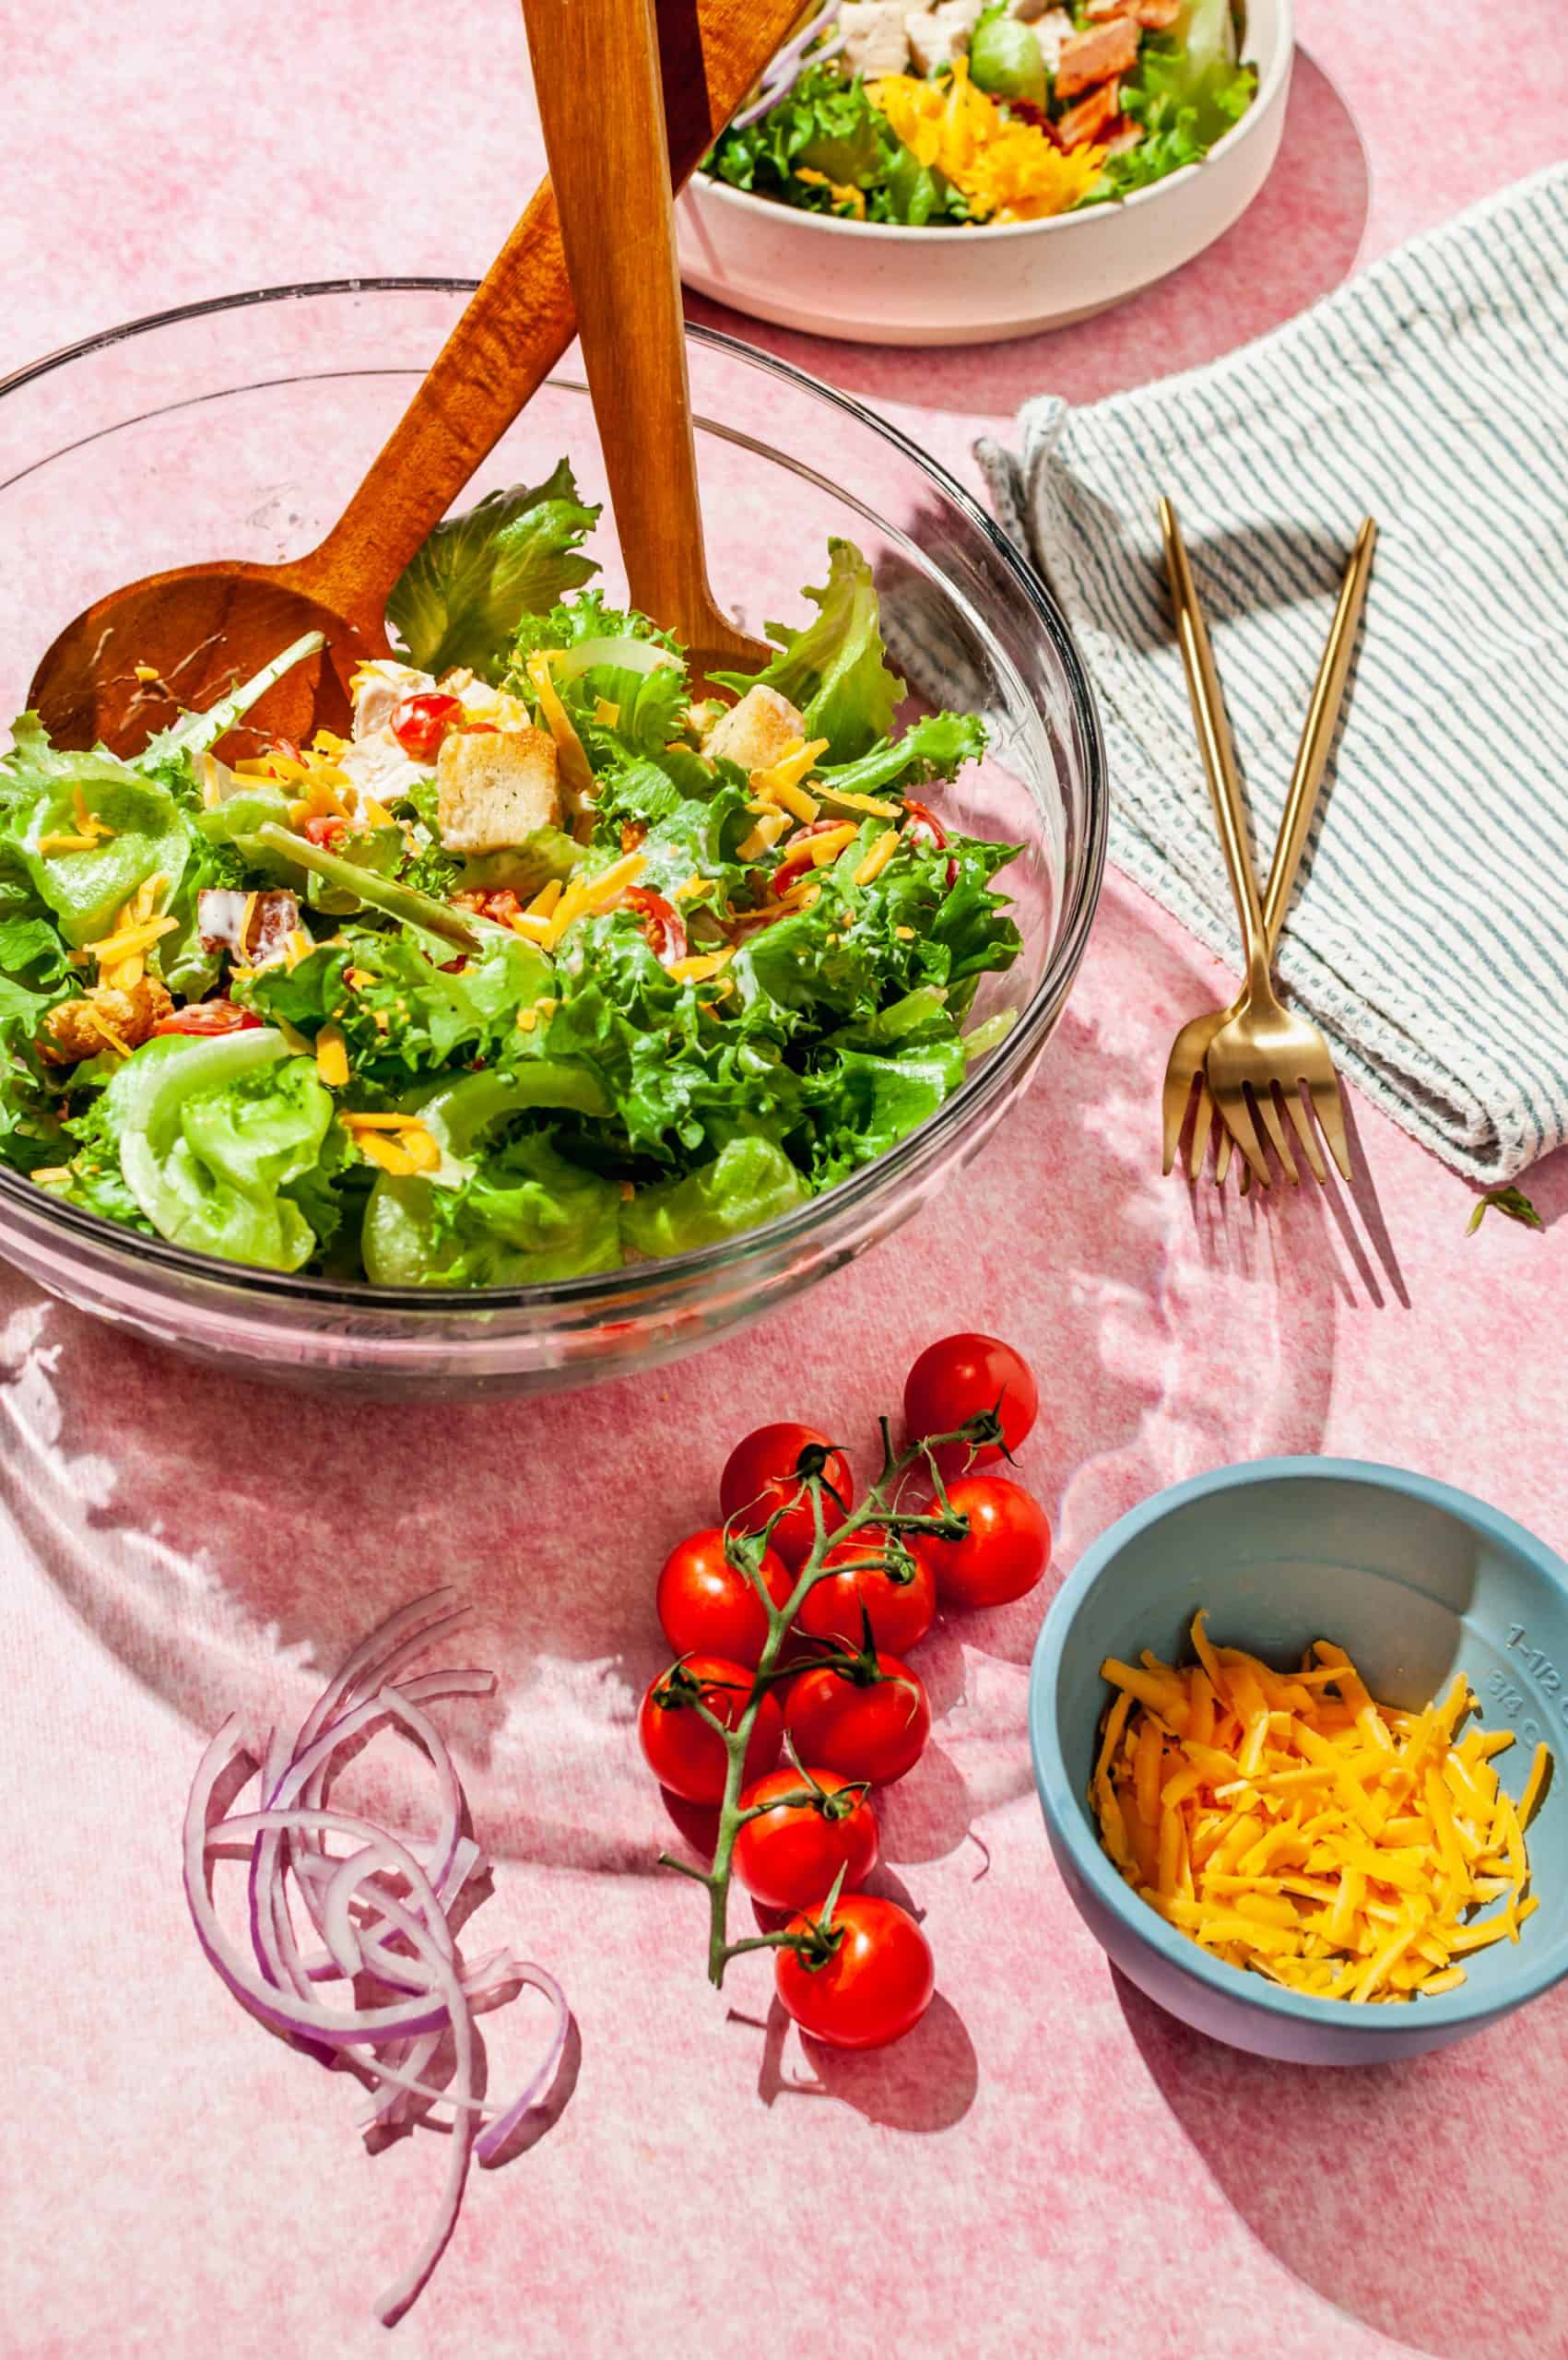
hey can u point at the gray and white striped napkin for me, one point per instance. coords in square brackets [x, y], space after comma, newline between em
[1430, 936]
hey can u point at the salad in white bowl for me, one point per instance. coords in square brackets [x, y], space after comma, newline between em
[982, 168]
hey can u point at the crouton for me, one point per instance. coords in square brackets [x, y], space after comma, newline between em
[1098, 56]
[102, 1018]
[874, 37]
[757, 732]
[495, 787]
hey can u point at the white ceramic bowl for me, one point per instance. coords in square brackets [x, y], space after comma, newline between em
[872, 283]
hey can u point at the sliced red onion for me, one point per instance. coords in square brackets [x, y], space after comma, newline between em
[381, 1910]
[786, 65]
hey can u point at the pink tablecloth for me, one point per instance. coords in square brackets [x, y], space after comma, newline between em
[1048, 2165]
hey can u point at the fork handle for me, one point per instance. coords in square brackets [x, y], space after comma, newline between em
[1218, 754]
[1317, 735]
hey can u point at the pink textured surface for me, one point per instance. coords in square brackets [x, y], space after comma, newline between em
[1074, 2173]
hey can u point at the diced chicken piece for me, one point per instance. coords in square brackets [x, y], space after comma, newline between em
[384, 684]
[961, 16]
[1053, 31]
[83, 1028]
[495, 788]
[1091, 118]
[1096, 56]
[931, 43]
[874, 37]
[758, 731]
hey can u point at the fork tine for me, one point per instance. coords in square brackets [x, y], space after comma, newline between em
[1202, 1124]
[1326, 1104]
[1176, 1097]
[1237, 1119]
[1223, 1159]
[1306, 1132]
[1264, 1093]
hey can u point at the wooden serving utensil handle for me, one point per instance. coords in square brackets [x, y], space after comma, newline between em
[597, 82]
[522, 318]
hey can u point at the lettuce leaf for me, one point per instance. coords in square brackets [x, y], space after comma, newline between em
[462, 597]
[834, 668]
[827, 125]
[750, 1181]
[1187, 92]
[937, 747]
[527, 1215]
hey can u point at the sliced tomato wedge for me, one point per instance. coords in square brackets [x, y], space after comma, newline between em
[420, 723]
[798, 855]
[208, 1016]
[923, 825]
[662, 927]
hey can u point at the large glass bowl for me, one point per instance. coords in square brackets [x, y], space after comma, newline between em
[238, 429]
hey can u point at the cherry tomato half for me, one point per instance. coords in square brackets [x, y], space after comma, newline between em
[662, 928]
[762, 1473]
[925, 826]
[320, 828]
[208, 1016]
[681, 1751]
[1007, 1550]
[874, 1987]
[959, 1377]
[899, 1596]
[861, 1728]
[708, 1606]
[420, 723]
[788, 1858]
[798, 855]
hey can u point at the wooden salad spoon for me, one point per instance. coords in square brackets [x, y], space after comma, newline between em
[596, 80]
[183, 638]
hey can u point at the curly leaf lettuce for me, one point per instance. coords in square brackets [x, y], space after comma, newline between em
[461, 595]
[833, 670]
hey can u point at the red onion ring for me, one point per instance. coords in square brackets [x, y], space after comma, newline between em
[383, 1912]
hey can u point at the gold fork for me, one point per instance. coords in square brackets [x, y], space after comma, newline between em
[1257, 1042]
[1185, 1064]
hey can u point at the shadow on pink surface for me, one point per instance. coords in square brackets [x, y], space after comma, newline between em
[1420, 2198]
[924, 2082]
[1295, 244]
[226, 1541]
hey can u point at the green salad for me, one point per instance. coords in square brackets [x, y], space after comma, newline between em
[552, 965]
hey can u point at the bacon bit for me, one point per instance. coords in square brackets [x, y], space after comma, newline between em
[1083, 123]
[1155, 16]
[256, 928]
[632, 832]
[1098, 56]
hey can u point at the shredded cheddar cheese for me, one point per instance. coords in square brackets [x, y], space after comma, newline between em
[332, 1057]
[1290, 1823]
[699, 969]
[574, 766]
[764, 835]
[842, 192]
[1009, 170]
[582, 899]
[878, 857]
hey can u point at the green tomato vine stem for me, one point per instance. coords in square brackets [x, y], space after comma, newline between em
[879, 1507]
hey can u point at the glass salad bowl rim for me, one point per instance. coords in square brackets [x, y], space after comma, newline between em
[636, 1281]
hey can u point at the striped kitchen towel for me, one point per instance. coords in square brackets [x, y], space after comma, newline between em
[1429, 937]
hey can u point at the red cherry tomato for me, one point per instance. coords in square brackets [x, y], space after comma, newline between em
[323, 826]
[208, 1016]
[681, 1751]
[900, 1602]
[873, 1986]
[1007, 1550]
[923, 825]
[861, 1728]
[420, 723]
[797, 855]
[789, 1858]
[497, 902]
[958, 1378]
[761, 1474]
[709, 1606]
[662, 928]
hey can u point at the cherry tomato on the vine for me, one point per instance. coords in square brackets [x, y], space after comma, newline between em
[707, 1605]
[958, 1378]
[205, 1016]
[900, 1595]
[789, 1858]
[863, 1728]
[874, 1985]
[1007, 1549]
[762, 1473]
[420, 722]
[681, 1751]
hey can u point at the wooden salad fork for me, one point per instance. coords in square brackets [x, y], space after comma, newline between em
[1190, 1047]
[1257, 1044]
[596, 81]
[183, 638]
